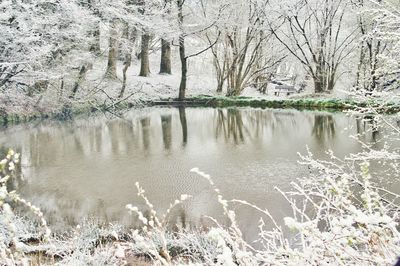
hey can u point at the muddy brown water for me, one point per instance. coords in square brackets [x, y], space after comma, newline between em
[88, 167]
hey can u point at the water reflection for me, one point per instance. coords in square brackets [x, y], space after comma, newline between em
[145, 122]
[120, 133]
[230, 125]
[324, 127]
[166, 130]
[89, 166]
[368, 129]
[182, 118]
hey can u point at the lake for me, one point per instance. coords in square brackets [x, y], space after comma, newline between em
[88, 167]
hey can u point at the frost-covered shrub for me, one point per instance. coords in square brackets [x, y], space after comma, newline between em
[339, 216]
[11, 247]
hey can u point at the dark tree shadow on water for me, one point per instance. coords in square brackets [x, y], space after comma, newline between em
[166, 131]
[324, 128]
[182, 117]
[145, 122]
[230, 126]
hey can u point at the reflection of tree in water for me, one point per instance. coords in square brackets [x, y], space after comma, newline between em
[252, 124]
[231, 125]
[96, 136]
[235, 125]
[221, 125]
[121, 134]
[145, 122]
[182, 117]
[262, 121]
[367, 124]
[324, 127]
[166, 130]
[41, 146]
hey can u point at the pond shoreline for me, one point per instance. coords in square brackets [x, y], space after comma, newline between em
[312, 104]
[68, 111]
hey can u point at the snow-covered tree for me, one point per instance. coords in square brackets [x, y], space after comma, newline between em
[379, 49]
[316, 33]
[41, 41]
[245, 54]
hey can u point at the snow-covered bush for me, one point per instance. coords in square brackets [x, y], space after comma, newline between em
[339, 217]
[11, 247]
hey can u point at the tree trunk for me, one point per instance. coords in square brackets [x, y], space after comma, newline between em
[61, 91]
[165, 66]
[166, 130]
[182, 55]
[318, 85]
[182, 117]
[359, 67]
[81, 76]
[95, 44]
[145, 122]
[220, 84]
[144, 56]
[131, 37]
[182, 86]
[111, 71]
[220, 72]
[127, 64]
[331, 84]
[374, 64]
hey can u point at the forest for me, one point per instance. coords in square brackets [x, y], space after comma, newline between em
[96, 54]
[199, 132]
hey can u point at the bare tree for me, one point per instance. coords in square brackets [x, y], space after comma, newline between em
[239, 57]
[314, 33]
[182, 48]
[94, 32]
[369, 50]
[182, 53]
[144, 55]
[145, 45]
[111, 71]
[129, 36]
[165, 65]
[378, 22]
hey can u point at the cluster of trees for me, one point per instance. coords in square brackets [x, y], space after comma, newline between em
[48, 42]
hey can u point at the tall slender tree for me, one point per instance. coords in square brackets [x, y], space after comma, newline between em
[144, 55]
[111, 70]
[165, 65]
[182, 52]
[145, 44]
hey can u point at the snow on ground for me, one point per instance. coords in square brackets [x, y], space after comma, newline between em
[97, 89]
[156, 86]
[201, 80]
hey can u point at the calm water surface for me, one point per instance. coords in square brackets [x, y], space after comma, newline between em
[89, 166]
